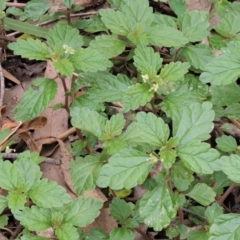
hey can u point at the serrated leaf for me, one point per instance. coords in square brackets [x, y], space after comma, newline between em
[114, 145]
[231, 166]
[120, 210]
[30, 48]
[108, 45]
[217, 41]
[121, 233]
[147, 61]
[199, 157]
[158, 207]
[49, 194]
[64, 67]
[178, 6]
[88, 120]
[16, 200]
[64, 34]
[10, 176]
[32, 237]
[225, 69]
[202, 194]
[225, 95]
[113, 127]
[84, 173]
[225, 226]
[93, 24]
[36, 8]
[137, 34]
[82, 211]
[168, 156]
[229, 25]
[232, 111]
[116, 21]
[89, 60]
[194, 25]
[197, 234]
[3, 203]
[198, 55]
[181, 176]
[174, 71]
[165, 20]
[30, 172]
[96, 234]
[137, 95]
[67, 231]
[29, 156]
[38, 96]
[226, 143]
[195, 123]
[152, 129]
[162, 35]
[35, 218]
[212, 212]
[125, 169]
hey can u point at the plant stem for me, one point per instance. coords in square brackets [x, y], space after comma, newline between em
[65, 90]
[142, 233]
[225, 195]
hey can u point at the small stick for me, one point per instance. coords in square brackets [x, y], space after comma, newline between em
[2, 83]
[15, 155]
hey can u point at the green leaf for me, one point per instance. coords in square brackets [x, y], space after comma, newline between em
[3, 221]
[164, 20]
[84, 173]
[16, 200]
[147, 61]
[197, 234]
[137, 34]
[174, 71]
[121, 234]
[178, 6]
[225, 226]
[194, 25]
[195, 123]
[198, 55]
[199, 157]
[158, 207]
[231, 166]
[30, 48]
[36, 8]
[30, 172]
[225, 95]
[202, 194]
[32, 237]
[24, 27]
[116, 21]
[212, 212]
[152, 129]
[67, 231]
[82, 211]
[137, 95]
[232, 111]
[108, 45]
[114, 145]
[38, 96]
[35, 218]
[113, 127]
[120, 210]
[64, 67]
[88, 120]
[4, 133]
[96, 234]
[226, 143]
[181, 176]
[224, 69]
[217, 41]
[68, 3]
[125, 169]
[89, 60]
[229, 25]
[49, 194]
[29, 156]
[162, 35]
[10, 176]
[64, 34]
[3, 203]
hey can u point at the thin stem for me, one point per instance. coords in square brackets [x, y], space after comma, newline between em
[142, 233]
[225, 195]
[16, 232]
[193, 213]
[68, 16]
[65, 90]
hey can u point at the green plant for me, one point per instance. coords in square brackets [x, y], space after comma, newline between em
[168, 104]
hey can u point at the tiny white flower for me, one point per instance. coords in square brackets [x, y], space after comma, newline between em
[145, 78]
[154, 87]
[152, 158]
[68, 50]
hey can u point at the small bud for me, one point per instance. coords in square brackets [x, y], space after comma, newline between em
[154, 87]
[145, 78]
[68, 50]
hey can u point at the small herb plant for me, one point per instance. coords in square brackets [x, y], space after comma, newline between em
[159, 137]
